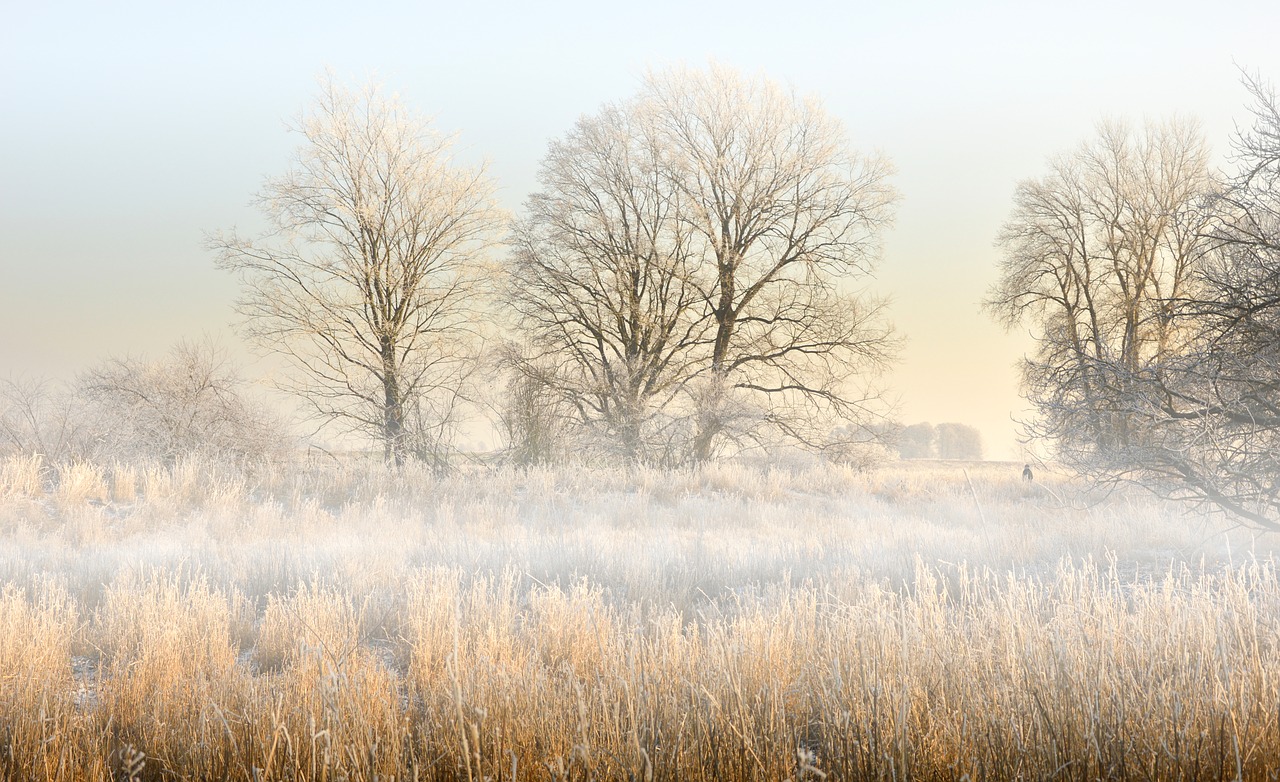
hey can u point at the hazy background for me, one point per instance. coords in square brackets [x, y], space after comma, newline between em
[129, 129]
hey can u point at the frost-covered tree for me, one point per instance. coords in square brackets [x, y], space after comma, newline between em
[944, 441]
[691, 265]
[603, 284]
[1209, 410]
[41, 417]
[1096, 259]
[787, 217]
[367, 281]
[1154, 289]
[190, 403]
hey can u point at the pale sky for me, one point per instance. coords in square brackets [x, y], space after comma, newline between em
[129, 129]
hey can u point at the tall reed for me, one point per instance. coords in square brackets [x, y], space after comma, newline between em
[800, 625]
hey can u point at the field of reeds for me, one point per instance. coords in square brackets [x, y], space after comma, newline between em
[924, 621]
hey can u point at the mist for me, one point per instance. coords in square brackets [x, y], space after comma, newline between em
[711, 393]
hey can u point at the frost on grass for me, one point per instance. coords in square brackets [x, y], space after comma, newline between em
[733, 623]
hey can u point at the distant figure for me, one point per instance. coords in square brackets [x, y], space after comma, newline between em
[1026, 473]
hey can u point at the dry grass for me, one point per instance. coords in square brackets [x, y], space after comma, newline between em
[20, 477]
[731, 624]
[80, 482]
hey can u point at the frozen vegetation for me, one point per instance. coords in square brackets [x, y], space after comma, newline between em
[932, 620]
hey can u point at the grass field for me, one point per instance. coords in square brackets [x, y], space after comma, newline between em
[921, 621]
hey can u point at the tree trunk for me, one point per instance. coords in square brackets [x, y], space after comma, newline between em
[706, 435]
[709, 418]
[709, 421]
[393, 445]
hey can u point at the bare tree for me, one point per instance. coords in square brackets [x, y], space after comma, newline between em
[786, 215]
[367, 281]
[40, 416]
[602, 283]
[1097, 257]
[687, 267]
[1212, 408]
[191, 403]
[537, 423]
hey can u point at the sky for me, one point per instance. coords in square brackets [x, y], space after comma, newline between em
[128, 130]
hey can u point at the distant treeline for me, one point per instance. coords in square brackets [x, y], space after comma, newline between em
[944, 441]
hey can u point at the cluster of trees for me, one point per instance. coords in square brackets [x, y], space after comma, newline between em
[688, 280]
[1152, 286]
[189, 404]
[944, 441]
[684, 282]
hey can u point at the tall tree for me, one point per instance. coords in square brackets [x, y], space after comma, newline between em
[786, 215]
[602, 282]
[1212, 408]
[688, 267]
[367, 279]
[1096, 257]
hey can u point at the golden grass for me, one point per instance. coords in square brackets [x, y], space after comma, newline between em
[80, 482]
[799, 625]
[20, 477]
